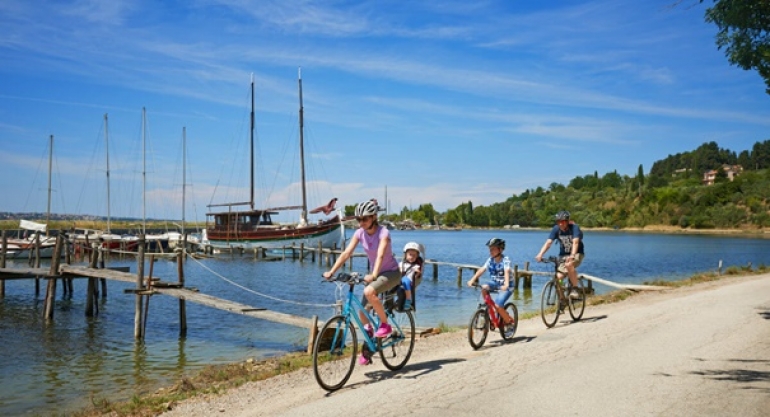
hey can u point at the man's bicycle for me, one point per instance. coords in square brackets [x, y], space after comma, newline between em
[486, 317]
[336, 346]
[555, 297]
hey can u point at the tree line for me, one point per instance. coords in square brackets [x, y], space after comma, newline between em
[671, 194]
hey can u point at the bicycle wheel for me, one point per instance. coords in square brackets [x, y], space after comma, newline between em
[334, 353]
[478, 328]
[396, 349]
[549, 304]
[578, 305]
[507, 331]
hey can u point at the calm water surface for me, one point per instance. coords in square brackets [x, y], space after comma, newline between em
[55, 367]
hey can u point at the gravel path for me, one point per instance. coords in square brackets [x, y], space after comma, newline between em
[700, 350]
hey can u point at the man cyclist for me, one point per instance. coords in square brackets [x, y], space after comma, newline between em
[571, 252]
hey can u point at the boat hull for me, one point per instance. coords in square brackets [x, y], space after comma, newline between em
[328, 236]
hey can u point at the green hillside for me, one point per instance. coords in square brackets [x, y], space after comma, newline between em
[671, 194]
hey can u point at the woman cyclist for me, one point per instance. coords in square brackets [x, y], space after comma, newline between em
[384, 274]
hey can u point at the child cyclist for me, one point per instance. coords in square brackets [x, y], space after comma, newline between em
[411, 271]
[499, 267]
[384, 274]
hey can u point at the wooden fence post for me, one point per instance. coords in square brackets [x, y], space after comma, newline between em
[516, 276]
[527, 277]
[50, 294]
[182, 302]
[2, 263]
[139, 286]
[91, 289]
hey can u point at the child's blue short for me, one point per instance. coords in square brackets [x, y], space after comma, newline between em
[502, 296]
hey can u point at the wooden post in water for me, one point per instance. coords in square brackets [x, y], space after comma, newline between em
[182, 302]
[67, 251]
[459, 277]
[91, 289]
[302, 252]
[435, 271]
[2, 262]
[527, 277]
[36, 264]
[50, 294]
[516, 276]
[148, 287]
[139, 285]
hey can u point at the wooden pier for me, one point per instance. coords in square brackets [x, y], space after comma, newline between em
[145, 287]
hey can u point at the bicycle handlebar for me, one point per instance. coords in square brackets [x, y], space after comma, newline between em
[477, 285]
[348, 278]
[550, 260]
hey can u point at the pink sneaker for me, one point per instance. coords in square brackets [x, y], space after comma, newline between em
[384, 330]
[363, 360]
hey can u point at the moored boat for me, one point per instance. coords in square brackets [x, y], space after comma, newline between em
[253, 228]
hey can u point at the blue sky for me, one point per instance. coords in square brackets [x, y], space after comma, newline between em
[441, 102]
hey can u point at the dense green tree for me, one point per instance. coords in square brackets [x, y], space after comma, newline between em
[744, 33]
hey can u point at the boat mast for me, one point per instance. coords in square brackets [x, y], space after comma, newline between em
[303, 215]
[48, 212]
[251, 139]
[184, 171]
[107, 152]
[144, 172]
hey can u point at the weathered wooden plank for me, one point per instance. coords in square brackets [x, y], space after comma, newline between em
[24, 273]
[82, 271]
[237, 308]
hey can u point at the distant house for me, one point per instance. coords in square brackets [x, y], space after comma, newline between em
[732, 171]
[680, 171]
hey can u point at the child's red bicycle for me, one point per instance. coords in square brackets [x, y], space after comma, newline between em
[486, 317]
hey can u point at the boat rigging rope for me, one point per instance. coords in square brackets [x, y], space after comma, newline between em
[220, 276]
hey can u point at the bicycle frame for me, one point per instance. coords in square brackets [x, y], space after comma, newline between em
[556, 285]
[486, 316]
[350, 309]
[491, 308]
[331, 366]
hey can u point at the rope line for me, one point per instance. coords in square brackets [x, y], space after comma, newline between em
[220, 276]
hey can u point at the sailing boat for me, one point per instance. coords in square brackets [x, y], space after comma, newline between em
[84, 237]
[22, 246]
[254, 228]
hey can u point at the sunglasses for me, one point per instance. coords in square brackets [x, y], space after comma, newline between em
[361, 219]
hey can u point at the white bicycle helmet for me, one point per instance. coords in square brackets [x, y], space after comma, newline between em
[414, 245]
[367, 208]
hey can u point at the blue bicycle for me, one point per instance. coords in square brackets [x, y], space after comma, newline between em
[336, 346]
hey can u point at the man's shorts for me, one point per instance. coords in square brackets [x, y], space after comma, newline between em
[575, 262]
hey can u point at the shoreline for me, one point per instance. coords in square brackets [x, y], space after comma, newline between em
[655, 229]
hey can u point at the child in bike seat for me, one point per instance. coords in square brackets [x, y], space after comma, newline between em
[411, 272]
[499, 267]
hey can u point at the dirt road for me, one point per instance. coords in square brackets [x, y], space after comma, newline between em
[701, 350]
